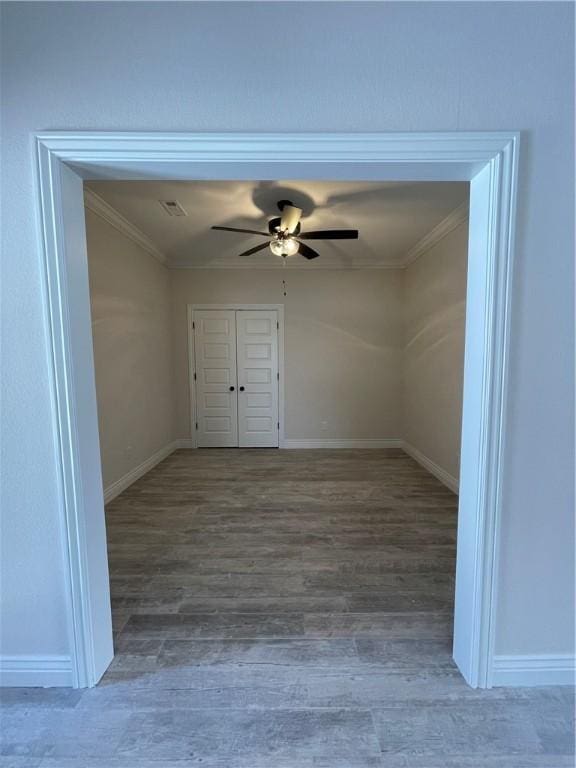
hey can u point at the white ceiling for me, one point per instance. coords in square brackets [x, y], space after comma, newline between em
[392, 217]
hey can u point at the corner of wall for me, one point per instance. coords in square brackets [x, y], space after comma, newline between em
[422, 441]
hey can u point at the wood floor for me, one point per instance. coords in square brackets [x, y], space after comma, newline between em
[285, 609]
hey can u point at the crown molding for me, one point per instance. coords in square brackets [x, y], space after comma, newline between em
[454, 219]
[301, 266]
[101, 208]
[458, 216]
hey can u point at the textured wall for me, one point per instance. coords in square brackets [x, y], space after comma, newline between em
[343, 344]
[434, 320]
[361, 67]
[131, 327]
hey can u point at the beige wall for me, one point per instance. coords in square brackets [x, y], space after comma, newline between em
[343, 345]
[131, 325]
[434, 318]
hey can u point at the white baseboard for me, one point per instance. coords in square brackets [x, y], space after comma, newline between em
[185, 443]
[544, 669]
[343, 443]
[36, 672]
[135, 474]
[445, 477]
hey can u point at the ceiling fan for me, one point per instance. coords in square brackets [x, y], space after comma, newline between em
[284, 236]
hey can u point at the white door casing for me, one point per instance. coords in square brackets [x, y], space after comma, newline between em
[215, 370]
[257, 356]
[431, 156]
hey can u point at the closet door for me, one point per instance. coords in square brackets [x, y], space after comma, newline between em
[216, 384]
[257, 353]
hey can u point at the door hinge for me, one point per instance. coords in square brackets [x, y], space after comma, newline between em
[278, 377]
[277, 425]
[193, 325]
[196, 425]
[194, 377]
[278, 326]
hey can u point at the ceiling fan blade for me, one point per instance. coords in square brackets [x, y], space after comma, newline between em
[246, 231]
[255, 249]
[307, 252]
[330, 234]
[290, 218]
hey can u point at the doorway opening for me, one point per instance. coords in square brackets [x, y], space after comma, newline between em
[326, 547]
[487, 161]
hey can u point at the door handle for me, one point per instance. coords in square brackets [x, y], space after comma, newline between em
[241, 389]
[231, 389]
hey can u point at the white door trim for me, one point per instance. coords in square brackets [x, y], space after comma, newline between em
[488, 159]
[191, 308]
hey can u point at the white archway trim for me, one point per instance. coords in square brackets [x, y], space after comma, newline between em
[488, 160]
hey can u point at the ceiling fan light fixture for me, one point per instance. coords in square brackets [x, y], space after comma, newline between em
[286, 237]
[284, 246]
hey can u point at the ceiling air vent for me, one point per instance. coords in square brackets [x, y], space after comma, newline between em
[173, 208]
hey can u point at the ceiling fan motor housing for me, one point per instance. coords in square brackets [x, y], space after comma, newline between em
[274, 225]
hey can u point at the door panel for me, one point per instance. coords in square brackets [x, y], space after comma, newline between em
[257, 353]
[215, 363]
